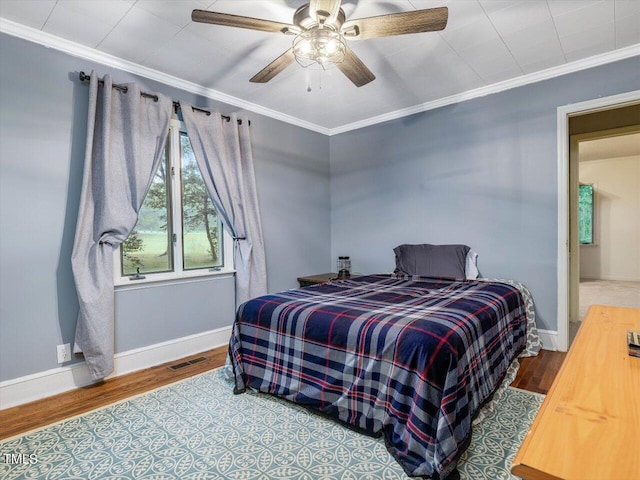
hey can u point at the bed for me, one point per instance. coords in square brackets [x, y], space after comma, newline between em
[410, 358]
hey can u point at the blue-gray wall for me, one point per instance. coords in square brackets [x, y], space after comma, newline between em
[42, 134]
[481, 172]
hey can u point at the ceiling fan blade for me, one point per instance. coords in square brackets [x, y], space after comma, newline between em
[418, 21]
[355, 70]
[274, 68]
[329, 7]
[228, 20]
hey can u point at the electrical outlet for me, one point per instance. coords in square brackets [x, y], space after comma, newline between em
[64, 353]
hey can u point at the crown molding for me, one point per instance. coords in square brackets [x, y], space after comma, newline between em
[87, 53]
[74, 49]
[595, 61]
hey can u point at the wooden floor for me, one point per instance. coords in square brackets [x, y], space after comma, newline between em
[536, 374]
[69, 404]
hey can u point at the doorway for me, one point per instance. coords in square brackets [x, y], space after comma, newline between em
[599, 115]
[604, 220]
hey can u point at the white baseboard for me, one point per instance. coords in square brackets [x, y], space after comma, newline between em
[549, 339]
[57, 380]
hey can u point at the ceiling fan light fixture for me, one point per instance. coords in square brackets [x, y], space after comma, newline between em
[322, 46]
[321, 27]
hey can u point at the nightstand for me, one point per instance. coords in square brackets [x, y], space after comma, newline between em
[316, 279]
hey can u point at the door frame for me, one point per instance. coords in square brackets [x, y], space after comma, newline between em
[563, 141]
[574, 181]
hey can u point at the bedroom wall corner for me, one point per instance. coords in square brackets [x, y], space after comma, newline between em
[42, 135]
[482, 172]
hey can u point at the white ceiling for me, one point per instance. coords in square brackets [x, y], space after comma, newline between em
[485, 42]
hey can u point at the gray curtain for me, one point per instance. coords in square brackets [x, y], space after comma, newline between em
[223, 152]
[126, 134]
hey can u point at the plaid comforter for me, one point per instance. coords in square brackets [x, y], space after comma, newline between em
[411, 359]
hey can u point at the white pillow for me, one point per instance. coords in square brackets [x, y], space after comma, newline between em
[471, 265]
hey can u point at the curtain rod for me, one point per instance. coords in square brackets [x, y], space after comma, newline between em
[176, 105]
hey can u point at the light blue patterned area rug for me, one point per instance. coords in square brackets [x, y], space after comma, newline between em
[198, 429]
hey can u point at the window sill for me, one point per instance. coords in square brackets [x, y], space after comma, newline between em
[589, 245]
[161, 279]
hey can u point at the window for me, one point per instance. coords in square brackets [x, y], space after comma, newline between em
[148, 247]
[178, 233]
[585, 214]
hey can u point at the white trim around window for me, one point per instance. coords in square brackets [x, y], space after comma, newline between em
[178, 274]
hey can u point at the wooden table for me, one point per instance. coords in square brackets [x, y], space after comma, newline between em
[588, 427]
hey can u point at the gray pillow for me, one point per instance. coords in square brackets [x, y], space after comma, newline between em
[427, 260]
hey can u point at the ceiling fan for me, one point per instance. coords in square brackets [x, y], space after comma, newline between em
[320, 28]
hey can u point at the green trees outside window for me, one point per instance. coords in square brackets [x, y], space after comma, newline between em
[178, 227]
[200, 224]
[585, 213]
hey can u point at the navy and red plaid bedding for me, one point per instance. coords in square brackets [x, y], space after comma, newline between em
[411, 359]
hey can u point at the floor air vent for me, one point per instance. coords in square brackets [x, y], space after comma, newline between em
[180, 365]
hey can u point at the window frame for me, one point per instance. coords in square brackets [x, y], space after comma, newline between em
[179, 273]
